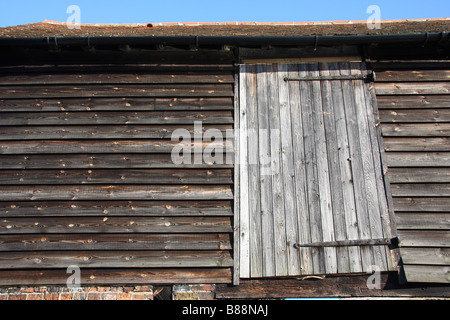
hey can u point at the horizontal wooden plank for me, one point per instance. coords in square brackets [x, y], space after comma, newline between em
[19, 56]
[116, 104]
[126, 192]
[117, 176]
[413, 102]
[110, 146]
[117, 276]
[116, 259]
[415, 129]
[414, 115]
[114, 208]
[107, 131]
[401, 88]
[417, 175]
[428, 256]
[420, 190]
[416, 144]
[119, 90]
[57, 242]
[424, 238]
[82, 77]
[422, 64]
[116, 118]
[101, 68]
[46, 225]
[418, 220]
[343, 286]
[412, 75]
[418, 159]
[109, 160]
[424, 273]
[422, 204]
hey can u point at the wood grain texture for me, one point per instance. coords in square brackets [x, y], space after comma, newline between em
[112, 242]
[115, 104]
[95, 132]
[108, 208]
[116, 118]
[116, 192]
[423, 88]
[88, 174]
[414, 112]
[117, 259]
[317, 172]
[413, 101]
[135, 225]
[120, 176]
[119, 90]
[127, 276]
[106, 161]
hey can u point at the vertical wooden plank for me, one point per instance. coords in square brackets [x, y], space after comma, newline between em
[300, 180]
[287, 160]
[326, 210]
[254, 175]
[236, 183]
[277, 186]
[359, 188]
[368, 167]
[346, 179]
[336, 186]
[244, 261]
[384, 191]
[312, 189]
[267, 229]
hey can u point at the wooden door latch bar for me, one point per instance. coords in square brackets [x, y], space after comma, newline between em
[367, 76]
[347, 243]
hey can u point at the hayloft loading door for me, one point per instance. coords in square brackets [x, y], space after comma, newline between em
[311, 195]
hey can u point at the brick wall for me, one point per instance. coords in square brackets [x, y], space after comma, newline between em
[86, 293]
[178, 292]
[194, 292]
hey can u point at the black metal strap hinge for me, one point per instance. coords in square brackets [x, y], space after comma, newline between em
[367, 76]
[347, 243]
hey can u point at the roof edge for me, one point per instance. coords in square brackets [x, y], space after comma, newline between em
[422, 38]
[239, 23]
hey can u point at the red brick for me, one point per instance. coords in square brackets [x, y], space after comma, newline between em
[125, 296]
[101, 289]
[142, 296]
[3, 296]
[203, 287]
[94, 296]
[144, 288]
[35, 296]
[27, 290]
[18, 296]
[109, 296]
[65, 296]
[51, 296]
[206, 295]
[79, 296]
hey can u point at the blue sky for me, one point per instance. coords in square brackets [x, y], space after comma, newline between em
[14, 12]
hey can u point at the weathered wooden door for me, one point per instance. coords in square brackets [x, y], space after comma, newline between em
[312, 196]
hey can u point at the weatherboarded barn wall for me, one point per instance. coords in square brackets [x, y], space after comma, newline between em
[414, 108]
[86, 176]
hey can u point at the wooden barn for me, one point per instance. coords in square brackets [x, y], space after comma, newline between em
[314, 156]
